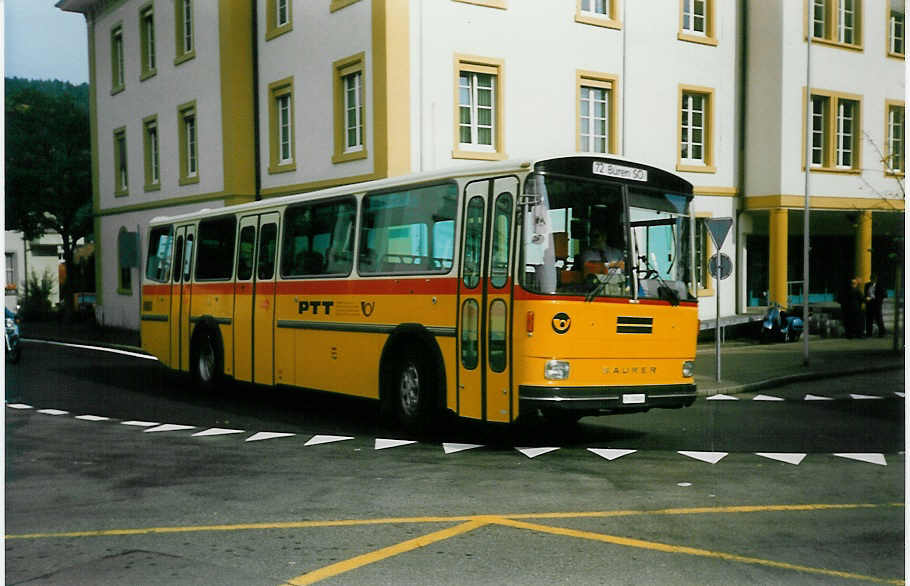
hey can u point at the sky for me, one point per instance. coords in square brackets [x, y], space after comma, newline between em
[41, 41]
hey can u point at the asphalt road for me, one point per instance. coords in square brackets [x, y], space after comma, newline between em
[118, 472]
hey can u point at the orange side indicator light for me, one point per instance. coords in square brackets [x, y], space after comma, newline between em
[529, 323]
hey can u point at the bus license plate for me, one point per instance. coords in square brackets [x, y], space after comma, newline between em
[633, 399]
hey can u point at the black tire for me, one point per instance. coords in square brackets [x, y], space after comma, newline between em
[411, 391]
[206, 361]
[13, 356]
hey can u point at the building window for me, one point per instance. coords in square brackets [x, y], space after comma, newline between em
[478, 109]
[820, 116]
[147, 39]
[696, 23]
[834, 131]
[894, 160]
[838, 22]
[278, 18]
[846, 133]
[152, 154]
[596, 113]
[118, 74]
[121, 177]
[183, 19]
[12, 283]
[896, 33]
[281, 127]
[350, 110]
[695, 140]
[189, 143]
[598, 12]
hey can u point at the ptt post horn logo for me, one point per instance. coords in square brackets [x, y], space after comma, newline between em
[367, 307]
[561, 323]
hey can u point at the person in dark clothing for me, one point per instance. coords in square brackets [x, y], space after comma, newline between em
[851, 303]
[875, 295]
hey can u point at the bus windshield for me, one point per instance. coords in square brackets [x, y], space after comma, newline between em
[579, 238]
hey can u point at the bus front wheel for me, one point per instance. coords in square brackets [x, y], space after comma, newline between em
[206, 361]
[411, 389]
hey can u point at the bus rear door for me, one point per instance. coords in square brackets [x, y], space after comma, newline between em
[181, 292]
[254, 339]
[485, 297]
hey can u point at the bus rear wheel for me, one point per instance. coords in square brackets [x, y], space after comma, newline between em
[411, 389]
[205, 361]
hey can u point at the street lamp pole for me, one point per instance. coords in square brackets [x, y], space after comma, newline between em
[810, 30]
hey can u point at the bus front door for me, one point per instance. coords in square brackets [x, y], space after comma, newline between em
[485, 297]
[181, 294]
[255, 299]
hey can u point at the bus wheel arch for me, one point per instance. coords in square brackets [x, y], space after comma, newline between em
[206, 354]
[411, 377]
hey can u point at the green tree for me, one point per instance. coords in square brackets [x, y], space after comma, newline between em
[48, 164]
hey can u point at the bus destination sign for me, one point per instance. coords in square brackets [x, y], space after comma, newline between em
[619, 171]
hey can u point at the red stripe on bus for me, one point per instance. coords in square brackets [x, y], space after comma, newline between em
[388, 286]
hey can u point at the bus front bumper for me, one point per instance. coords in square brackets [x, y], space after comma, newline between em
[593, 400]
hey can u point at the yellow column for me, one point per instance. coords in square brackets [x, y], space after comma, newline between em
[777, 257]
[863, 262]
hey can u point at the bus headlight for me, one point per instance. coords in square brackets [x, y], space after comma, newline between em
[556, 370]
[688, 369]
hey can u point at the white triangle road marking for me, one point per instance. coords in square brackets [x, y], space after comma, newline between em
[709, 457]
[869, 458]
[534, 452]
[794, 459]
[326, 439]
[19, 406]
[141, 423]
[267, 435]
[862, 397]
[56, 412]
[609, 454]
[816, 398]
[451, 448]
[722, 397]
[382, 444]
[169, 427]
[766, 398]
[216, 431]
[901, 395]
[92, 418]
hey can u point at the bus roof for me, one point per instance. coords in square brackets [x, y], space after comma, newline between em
[467, 170]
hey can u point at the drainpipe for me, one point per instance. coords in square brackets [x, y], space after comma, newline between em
[257, 171]
[740, 305]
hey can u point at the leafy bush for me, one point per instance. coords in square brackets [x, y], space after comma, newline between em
[36, 303]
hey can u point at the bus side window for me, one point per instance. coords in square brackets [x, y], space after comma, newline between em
[188, 258]
[158, 263]
[399, 232]
[318, 239]
[245, 253]
[178, 259]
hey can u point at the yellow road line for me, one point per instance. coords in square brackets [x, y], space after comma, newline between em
[455, 519]
[652, 545]
[387, 552]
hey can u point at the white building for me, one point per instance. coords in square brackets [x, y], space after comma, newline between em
[27, 259]
[202, 104]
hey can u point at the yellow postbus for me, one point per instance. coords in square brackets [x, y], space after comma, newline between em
[562, 286]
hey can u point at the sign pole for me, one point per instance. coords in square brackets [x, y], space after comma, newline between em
[717, 332]
[720, 267]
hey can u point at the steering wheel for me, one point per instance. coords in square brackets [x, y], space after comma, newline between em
[648, 273]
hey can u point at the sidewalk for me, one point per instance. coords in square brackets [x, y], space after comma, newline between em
[746, 366]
